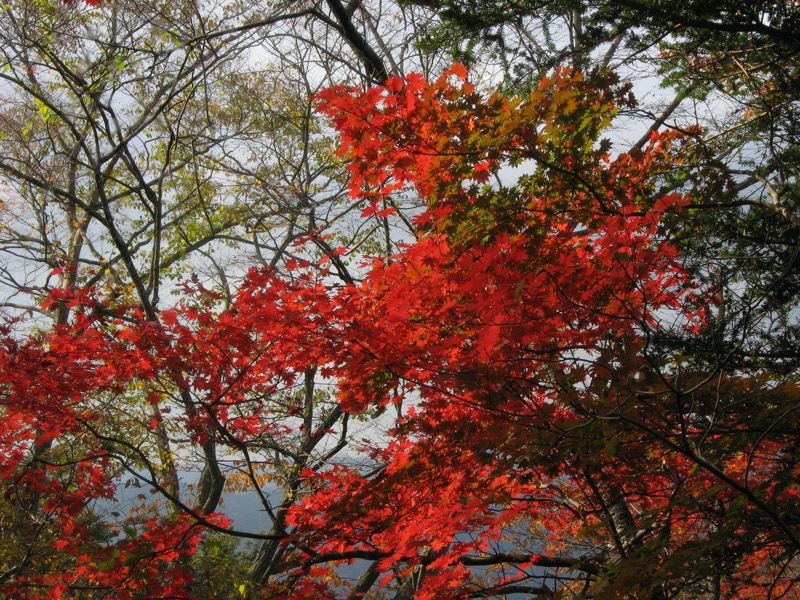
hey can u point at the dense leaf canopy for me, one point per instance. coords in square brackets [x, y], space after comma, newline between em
[446, 330]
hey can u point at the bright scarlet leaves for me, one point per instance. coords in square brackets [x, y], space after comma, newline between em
[547, 441]
[520, 328]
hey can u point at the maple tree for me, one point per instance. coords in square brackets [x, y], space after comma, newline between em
[548, 439]
[531, 331]
[141, 145]
[727, 67]
[587, 358]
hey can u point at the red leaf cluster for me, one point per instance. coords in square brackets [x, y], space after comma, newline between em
[515, 332]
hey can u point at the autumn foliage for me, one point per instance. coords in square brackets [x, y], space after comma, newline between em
[549, 439]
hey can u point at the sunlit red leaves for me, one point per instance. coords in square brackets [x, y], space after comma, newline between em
[444, 138]
[409, 525]
[213, 370]
[516, 311]
[151, 564]
[517, 326]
